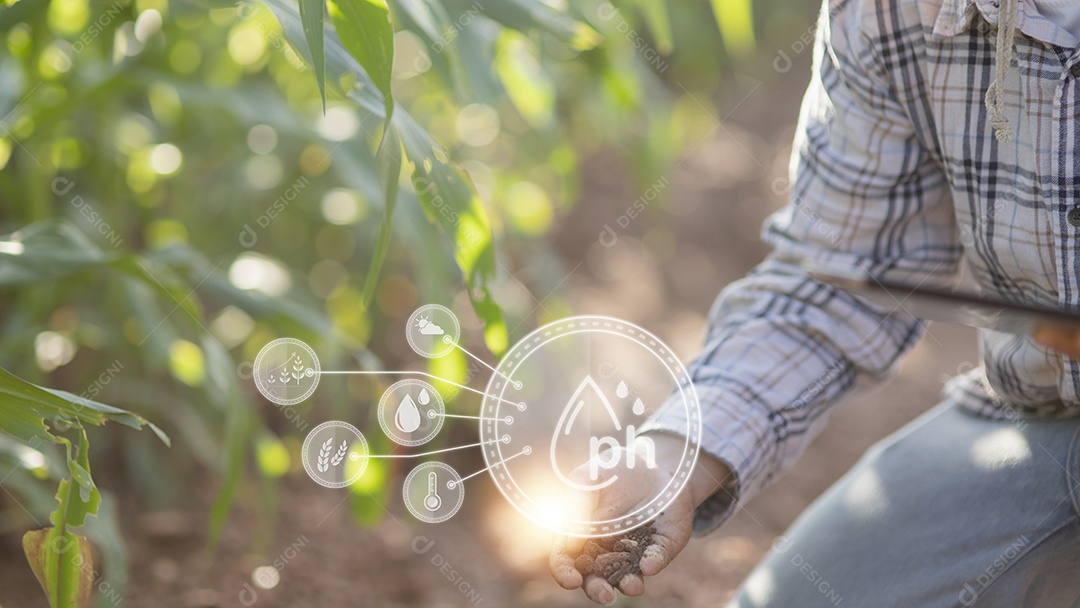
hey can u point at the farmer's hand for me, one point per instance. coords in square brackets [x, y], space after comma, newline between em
[634, 488]
[1063, 340]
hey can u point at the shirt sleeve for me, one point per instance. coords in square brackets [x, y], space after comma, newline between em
[866, 194]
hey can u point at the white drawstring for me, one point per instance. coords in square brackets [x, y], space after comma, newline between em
[1003, 53]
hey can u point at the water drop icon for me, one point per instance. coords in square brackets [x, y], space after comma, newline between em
[639, 407]
[587, 396]
[621, 390]
[587, 392]
[424, 397]
[407, 417]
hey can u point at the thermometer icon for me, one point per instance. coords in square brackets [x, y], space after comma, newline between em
[432, 501]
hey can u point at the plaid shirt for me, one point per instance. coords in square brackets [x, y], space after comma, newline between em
[896, 170]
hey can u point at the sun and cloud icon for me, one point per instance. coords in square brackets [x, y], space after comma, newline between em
[427, 328]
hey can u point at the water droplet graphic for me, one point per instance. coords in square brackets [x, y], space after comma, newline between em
[407, 418]
[424, 398]
[587, 397]
[639, 407]
[621, 390]
[578, 401]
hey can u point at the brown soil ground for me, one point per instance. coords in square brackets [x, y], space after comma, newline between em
[487, 555]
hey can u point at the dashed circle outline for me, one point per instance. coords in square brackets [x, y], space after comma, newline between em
[431, 434]
[568, 326]
[457, 482]
[454, 341]
[258, 377]
[335, 484]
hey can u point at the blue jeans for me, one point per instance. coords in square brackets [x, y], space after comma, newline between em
[951, 510]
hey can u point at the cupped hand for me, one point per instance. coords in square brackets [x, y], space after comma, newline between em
[634, 488]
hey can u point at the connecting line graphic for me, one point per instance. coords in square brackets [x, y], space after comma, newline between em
[520, 405]
[515, 383]
[452, 483]
[504, 419]
[358, 456]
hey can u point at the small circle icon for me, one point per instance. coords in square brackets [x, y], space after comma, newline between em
[433, 492]
[335, 454]
[411, 412]
[433, 331]
[286, 371]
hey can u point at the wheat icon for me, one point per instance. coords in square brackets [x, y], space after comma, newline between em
[336, 460]
[324, 455]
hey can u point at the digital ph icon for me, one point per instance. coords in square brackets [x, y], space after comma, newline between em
[603, 452]
[561, 418]
[589, 385]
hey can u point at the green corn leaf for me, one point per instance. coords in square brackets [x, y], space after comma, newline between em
[656, 15]
[527, 85]
[311, 15]
[283, 312]
[529, 15]
[366, 32]
[238, 430]
[53, 249]
[20, 12]
[174, 291]
[388, 169]
[451, 202]
[62, 561]
[428, 21]
[47, 250]
[735, 19]
[57, 559]
[471, 56]
[448, 198]
[81, 499]
[421, 15]
[24, 408]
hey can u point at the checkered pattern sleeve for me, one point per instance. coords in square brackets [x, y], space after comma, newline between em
[865, 193]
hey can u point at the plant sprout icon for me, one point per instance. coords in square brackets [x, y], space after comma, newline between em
[284, 375]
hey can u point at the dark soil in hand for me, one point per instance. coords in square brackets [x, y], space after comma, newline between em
[613, 557]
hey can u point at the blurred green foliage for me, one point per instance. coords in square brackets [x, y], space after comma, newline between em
[182, 182]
